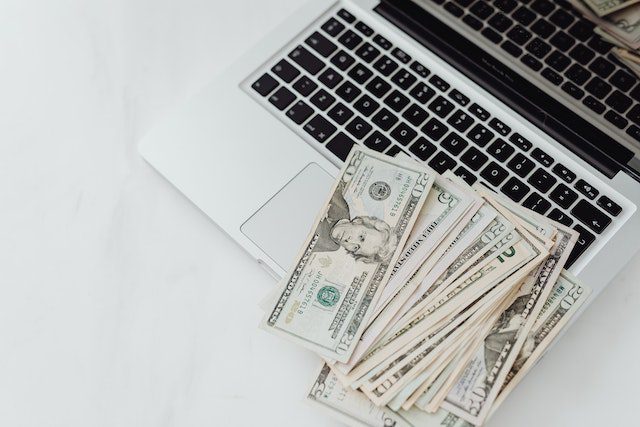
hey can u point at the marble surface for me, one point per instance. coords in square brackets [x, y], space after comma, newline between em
[123, 305]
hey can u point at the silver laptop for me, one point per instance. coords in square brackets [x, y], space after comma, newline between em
[519, 95]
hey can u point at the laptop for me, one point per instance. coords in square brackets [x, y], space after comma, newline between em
[520, 95]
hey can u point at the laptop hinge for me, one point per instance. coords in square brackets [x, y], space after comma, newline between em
[581, 137]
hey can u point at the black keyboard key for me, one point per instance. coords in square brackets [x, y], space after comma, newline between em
[562, 41]
[350, 40]
[542, 180]
[341, 146]
[634, 114]
[543, 28]
[480, 135]
[593, 217]
[441, 106]
[265, 84]
[473, 158]
[521, 142]
[594, 104]
[491, 35]
[466, 176]
[602, 67]
[320, 128]
[306, 60]
[340, 113]
[382, 42]
[494, 174]
[358, 127]
[473, 22]
[499, 127]
[422, 148]
[587, 189]
[439, 83]
[609, 205]
[360, 73]
[458, 97]
[521, 165]
[396, 100]
[599, 45]
[305, 86]
[619, 101]
[453, 9]
[415, 115]
[616, 119]
[515, 189]
[385, 65]
[404, 79]
[505, 5]
[299, 112]
[578, 74]
[598, 87]
[584, 241]
[403, 133]
[342, 60]
[543, 7]
[581, 30]
[482, 10]
[582, 54]
[454, 143]
[561, 217]
[538, 48]
[368, 52]
[434, 129]
[460, 120]
[348, 91]
[333, 27]
[282, 98]
[622, 80]
[500, 22]
[564, 173]
[364, 28]
[420, 69]
[563, 196]
[342, 13]
[536, 203]
[634, 132]
[523, 15]
[330, 77]
[519, 35]
[557, 61]
[321, 44]
[500, 149]
[377, 141]
[573, 90]
[394, 151]
[531, 62]
[552, 76]
[442, 162]
[384, 119]
[366, 105]
[561, 18]
[635, 93]
[401, 55]
[542, 157]
[479, 112]
[285, 71]
[322, 99]
[422, 93]
[378, 87]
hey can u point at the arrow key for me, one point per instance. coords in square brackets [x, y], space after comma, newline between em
[591, 216]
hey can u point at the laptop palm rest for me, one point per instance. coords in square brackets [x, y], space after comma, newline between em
[280, 226]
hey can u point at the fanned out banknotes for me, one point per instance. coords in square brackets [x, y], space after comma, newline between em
[428, 300]
[617, 22]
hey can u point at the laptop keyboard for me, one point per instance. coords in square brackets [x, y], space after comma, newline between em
[344, 85]
[553, 40]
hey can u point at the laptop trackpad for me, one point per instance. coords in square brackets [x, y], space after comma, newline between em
[280, 226]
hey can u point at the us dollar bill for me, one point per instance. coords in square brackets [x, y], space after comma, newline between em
[623, 25]
[473, 395]
[606, 7]
[325, 301]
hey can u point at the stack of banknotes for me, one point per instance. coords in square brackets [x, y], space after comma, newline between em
[427, 299]
[618, 22]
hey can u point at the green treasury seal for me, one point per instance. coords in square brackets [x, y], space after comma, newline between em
[328, 296]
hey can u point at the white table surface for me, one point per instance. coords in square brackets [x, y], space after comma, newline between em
[123, 305]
